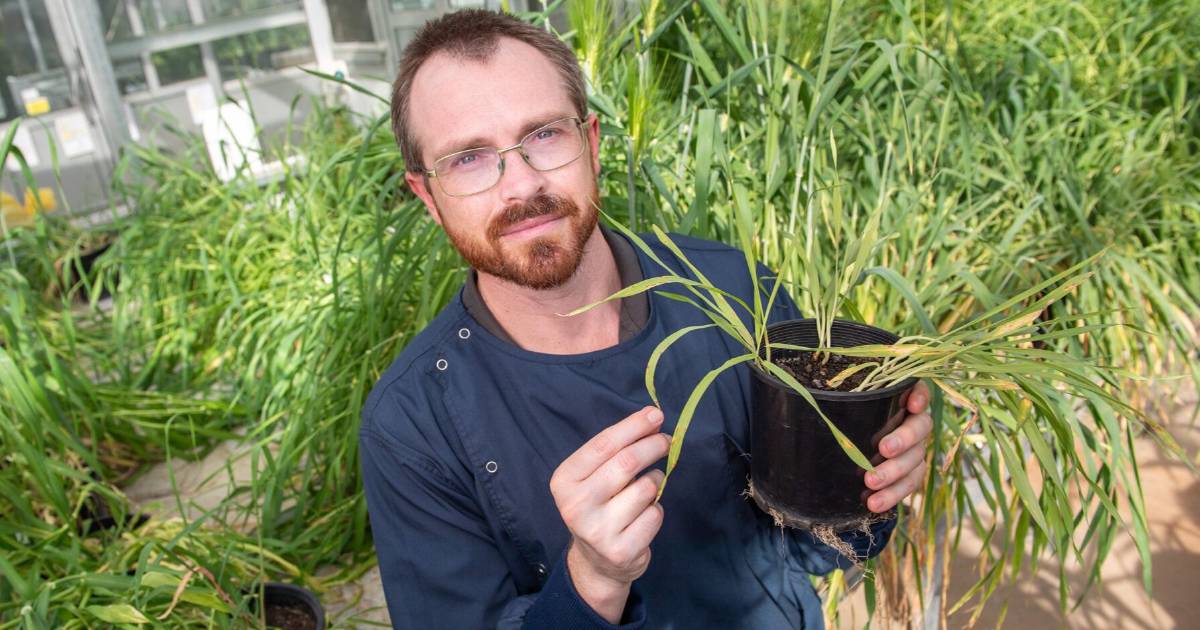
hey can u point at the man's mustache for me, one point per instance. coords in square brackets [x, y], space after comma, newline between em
[540, 205]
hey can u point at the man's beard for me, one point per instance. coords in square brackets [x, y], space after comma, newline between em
[543, 263]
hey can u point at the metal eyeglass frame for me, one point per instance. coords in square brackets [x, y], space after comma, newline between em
[500, 154]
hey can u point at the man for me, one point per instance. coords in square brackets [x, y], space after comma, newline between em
[509, 455]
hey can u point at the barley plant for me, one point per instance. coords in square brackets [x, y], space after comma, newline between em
[1016, 184]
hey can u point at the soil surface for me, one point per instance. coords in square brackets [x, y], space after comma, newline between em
[815, 374]
[290, 617]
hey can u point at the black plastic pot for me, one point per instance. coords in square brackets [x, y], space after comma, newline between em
[96, 515]
[285, 602]
[87, 261]
[799, 473]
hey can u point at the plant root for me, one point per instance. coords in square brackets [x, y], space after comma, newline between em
[825, 534]
[774, 514]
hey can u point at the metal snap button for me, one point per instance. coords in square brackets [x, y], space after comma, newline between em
[442, 364]
[541, 569]
[464, 333]
[491, 467]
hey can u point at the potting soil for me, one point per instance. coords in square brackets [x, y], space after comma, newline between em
[815, 372]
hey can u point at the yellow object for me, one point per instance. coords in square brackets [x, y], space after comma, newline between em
[44, 199]
[17, 214]
[8, 203]
[39, 105]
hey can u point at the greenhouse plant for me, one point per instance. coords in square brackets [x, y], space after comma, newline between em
[1011, 193]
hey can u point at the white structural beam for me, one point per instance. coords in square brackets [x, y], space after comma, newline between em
[211, 69]
[205, 31]
[83, 20]
[320, 33]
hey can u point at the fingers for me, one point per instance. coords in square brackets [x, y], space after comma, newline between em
[918, 399]
[911, 432]
[616, 473]
[896, 468]
[635, 498]
[642, 530]
[887, 498]
[611, 516]
[609, 442]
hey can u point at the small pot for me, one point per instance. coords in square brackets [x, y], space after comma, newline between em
[289, 607]
[96, 515]
[799, 474]
[69, 275]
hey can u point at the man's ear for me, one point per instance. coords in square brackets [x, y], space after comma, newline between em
[419, 183]
[593, 135]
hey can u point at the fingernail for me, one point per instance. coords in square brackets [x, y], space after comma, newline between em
[874, 478]
[655, 416]
[891, 445]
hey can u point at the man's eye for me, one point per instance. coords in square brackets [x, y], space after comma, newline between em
[465, 160]
[546, 134]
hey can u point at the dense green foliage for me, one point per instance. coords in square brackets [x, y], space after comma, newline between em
[1007, 143]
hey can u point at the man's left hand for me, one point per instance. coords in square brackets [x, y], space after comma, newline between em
[904, 469]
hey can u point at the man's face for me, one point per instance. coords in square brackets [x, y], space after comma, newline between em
[531, 226]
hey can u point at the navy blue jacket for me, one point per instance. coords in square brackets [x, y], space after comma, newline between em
[461, 435]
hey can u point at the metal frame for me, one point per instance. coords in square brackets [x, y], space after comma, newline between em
[386, 20]
[139, 30]
[83, 22]
[202, 31]
[88, 60]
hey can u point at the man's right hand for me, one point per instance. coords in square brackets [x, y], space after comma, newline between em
[611, 515]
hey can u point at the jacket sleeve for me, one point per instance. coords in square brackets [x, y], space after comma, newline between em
[439, 563]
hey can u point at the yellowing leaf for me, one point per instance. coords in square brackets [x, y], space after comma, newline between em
[1016, 324]
[155, 579]
[955, 395]
[117, 613]
[848, 372]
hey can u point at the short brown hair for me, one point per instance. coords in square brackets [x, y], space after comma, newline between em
[474, 34]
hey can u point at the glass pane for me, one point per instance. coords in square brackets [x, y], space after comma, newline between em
[466, 4]
[230, 8]
[30, 66]
[351, 21]
[162, 15]
[412, 5]
[178, 64]
[131, 76]
[114, 20]
[17, 54]
[405, 34]
[244, 55]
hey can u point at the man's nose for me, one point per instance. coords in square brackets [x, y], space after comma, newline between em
[519, 182]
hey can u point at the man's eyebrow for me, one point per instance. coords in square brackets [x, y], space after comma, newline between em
[477, 142]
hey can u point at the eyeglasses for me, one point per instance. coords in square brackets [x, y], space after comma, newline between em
[546, 148]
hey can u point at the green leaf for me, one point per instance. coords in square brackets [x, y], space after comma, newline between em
[689, 410]
[652, 364]
[706, 129]
[634, 289]
[719, 18]
[117, 613]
